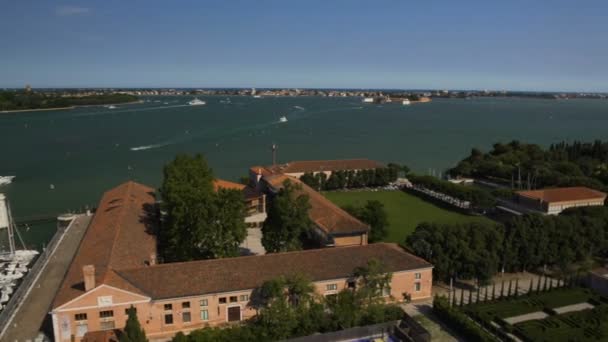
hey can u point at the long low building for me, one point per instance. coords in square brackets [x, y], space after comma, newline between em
[116, 267]
[554, 200]
[298, 168]
[332, 225]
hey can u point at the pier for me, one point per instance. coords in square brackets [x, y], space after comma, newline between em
[26, 314]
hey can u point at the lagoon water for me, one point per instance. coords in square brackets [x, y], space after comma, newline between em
[84, 151]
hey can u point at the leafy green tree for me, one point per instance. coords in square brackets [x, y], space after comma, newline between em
[287, 220]
[345, 308]
[374, 214]
[133, 331]
[200, 222]
[373, 279]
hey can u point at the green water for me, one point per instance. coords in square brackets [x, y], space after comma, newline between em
[85, 151]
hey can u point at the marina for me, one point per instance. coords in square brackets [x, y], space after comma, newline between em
[14, 262]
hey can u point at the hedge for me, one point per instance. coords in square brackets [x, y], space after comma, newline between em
[460, 322]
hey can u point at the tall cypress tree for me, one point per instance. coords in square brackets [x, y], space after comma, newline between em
[133, 331]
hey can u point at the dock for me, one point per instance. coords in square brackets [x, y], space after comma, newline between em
[28, 316]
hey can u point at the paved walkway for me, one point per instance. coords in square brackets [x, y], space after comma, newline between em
[29, 317]
[527, 317]
[573, 307]
[253, 243]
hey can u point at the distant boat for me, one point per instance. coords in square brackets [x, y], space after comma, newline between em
[166, 103]
[368, 100]
[257, 96]
[197, 102]
[111, 107]
[283, 119]
[406, 102]
[6, 180]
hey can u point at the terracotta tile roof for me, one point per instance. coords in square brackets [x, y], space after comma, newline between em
[325, 165]
[248, 192]
[118, 237]
[220, 183]
[100, 336]
[578, 193]
[242, 273]
[324, 213]
[260, 169]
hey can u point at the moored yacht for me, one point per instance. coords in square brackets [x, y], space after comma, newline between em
[6, 179]
[406, 102]
[283, 119]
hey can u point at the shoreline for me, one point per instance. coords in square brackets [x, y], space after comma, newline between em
[65, 108]
[34, 110]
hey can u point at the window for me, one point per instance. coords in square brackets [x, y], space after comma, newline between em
[418, 276]
[352, 284]
[222, 300]
[127, 311]
[234, 299]
[169, 319]
[331, 287]
[386, 291]
[186, 305]
[106, 325]
[106, 314]
[186, 318]
[204, 315]
[244, 298]
[418, 287]
[204, 302]
[168, 307]
[80, 317]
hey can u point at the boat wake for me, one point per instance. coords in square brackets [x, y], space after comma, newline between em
[147, 147]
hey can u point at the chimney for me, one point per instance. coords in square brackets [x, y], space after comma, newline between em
[152, 259]
[258, 176]
[88, 271]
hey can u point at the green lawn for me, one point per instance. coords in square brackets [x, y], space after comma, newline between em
[404, 211]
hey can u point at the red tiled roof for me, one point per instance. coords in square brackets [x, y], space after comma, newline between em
[220, 183]
[324, 213]
[248, 192]
[100, 336]
[119, 237]
[578, 193]
[242, 273]
[325, 165]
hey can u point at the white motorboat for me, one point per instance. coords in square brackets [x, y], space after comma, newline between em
[283, 119]
[6, 179]
[406, 102]
[111, 107]
[197, 102]
[257, 96]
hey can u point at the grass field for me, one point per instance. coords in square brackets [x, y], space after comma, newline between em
[404, 211]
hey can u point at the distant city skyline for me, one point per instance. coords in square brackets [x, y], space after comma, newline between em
[516, 45]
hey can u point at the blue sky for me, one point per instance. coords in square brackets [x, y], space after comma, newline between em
[520, 45]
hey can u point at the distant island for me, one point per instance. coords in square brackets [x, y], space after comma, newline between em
[24, 100]
[57, 98]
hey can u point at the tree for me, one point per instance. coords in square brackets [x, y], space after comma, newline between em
[287, 220]
[374, 214]
[200, 223]
[133, 331]
[373, 280]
